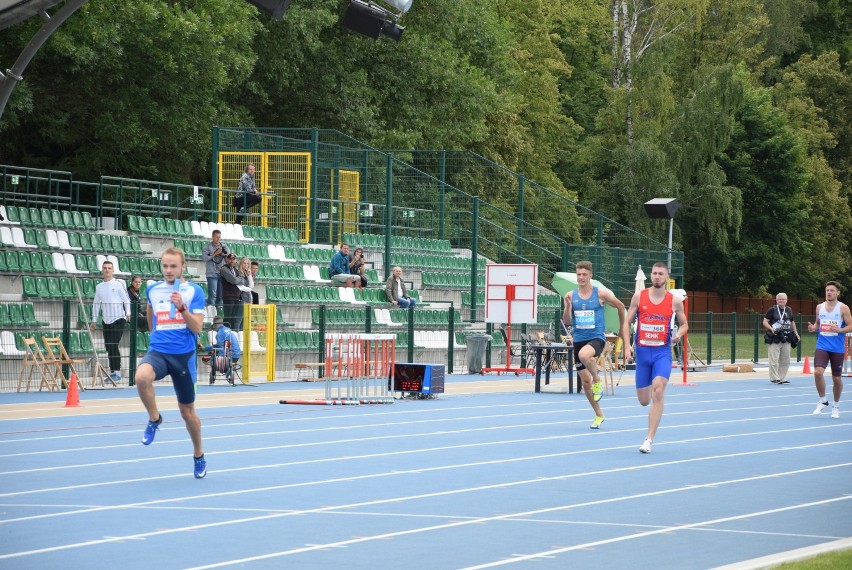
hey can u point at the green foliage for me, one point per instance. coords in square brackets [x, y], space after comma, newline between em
[739, 108]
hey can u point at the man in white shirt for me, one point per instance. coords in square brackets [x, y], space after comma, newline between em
[111, 298]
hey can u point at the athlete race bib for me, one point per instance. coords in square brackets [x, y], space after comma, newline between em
[825, 327]
[166, 319]
[651, 335]
[584, 319]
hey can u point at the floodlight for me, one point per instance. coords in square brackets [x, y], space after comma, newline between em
[664, 208]
[274, 7]
[373, 21]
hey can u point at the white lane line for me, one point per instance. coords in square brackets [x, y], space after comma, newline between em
[559, 407]
[454, 430]
[555, 551]
[402, 499]
[407, 451]
[535, 480]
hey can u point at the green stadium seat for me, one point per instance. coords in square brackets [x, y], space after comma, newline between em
[28, 316]
[5, 321]
[74, 346]
[47, 262]
[77, 220]
[87, 288]
[66, 291]
[46, 218]
[67, 220]
[133, 223]
[15, 215]
[12, 263]
[74, 240]
[29, 285]
[53, 288]
[88, 222]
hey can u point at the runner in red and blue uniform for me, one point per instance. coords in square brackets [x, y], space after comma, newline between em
[655, 307]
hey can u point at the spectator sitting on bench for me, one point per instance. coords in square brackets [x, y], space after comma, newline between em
[396, 292]
[340, 268]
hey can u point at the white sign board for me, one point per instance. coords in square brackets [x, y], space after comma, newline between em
[511, 293]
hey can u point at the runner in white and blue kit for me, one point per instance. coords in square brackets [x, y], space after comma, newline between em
[833, 321]
[175, 318]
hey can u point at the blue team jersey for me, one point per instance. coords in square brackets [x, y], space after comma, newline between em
[223, 334]
[588, 316]
[170, 335]
[827, 340]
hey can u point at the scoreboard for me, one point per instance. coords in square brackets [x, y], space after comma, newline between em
[419, 378]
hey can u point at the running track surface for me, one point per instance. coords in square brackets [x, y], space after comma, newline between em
[488, 475]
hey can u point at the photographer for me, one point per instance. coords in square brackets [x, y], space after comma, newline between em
[357, 265]
[781, 335]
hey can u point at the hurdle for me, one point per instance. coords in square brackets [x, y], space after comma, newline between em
[847, 358]
[358, 370]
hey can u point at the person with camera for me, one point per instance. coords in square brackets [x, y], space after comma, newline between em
[358, 266]
[781, 335]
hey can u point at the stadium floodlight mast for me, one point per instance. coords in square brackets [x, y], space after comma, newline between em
[372, 20]
[664, 208]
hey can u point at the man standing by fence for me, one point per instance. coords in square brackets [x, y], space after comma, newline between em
[781, 335]
[112, 299]
[833, 321]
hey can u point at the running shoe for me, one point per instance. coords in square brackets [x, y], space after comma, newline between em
[200, 467]
[820, 407]
[151, 431]
[785, 381]
[645, 447]
[775, 381]
[597, 423]
[115, 377]
[835, 412]
[597, 390]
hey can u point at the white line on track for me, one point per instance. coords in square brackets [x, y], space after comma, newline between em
[410, 450]
[313, 430]
[535, 480]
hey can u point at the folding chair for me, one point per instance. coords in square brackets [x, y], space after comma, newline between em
[606, 367]
[34, 361]
[58, 357]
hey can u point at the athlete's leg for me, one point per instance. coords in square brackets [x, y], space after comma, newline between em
[193, 426]
[145, 377]
[658, 392]
[589, 375]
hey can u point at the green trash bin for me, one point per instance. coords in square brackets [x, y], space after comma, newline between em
[476, 344]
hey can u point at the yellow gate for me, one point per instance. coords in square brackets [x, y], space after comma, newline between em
[348, 197]
[282, 178]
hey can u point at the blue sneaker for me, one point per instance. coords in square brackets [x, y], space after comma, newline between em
[200, 467]
[151, 431]
[115, 377]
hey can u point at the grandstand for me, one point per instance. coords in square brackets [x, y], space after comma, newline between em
[57, 231]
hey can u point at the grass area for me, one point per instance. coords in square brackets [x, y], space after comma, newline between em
[744, 347]
[831, 561]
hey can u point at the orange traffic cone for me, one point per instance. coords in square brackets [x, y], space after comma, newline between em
[73, 399]
[806, 369]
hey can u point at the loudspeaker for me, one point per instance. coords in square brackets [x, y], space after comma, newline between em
[662, 208]
[274, 7]
[421, 378]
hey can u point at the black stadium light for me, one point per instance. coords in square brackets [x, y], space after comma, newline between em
[274, 7]
[372, 20]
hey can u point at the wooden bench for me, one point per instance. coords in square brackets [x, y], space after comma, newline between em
[302, 366]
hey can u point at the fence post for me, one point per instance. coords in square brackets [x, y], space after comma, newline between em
[489, 328]
[733, 337]
[709, 337]
[451, 341]
[131, 364]
[757, 319]
[410, 312]
[799, 330]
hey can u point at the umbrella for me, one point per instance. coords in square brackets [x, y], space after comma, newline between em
[640, 280]
[564, 282]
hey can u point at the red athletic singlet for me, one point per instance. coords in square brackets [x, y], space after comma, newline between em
[654, 326]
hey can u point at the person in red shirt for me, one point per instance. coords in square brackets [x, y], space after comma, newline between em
[654, 308]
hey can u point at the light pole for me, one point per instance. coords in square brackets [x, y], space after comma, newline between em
[662, 208]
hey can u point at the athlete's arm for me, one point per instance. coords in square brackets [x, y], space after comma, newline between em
[846, 315]
[624, 330]
[566, 314]
[813, 327]
[682, 325]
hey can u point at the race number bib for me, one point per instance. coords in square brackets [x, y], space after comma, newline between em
[584, 319]
[651, 335]
[825, 327]
[165, 321]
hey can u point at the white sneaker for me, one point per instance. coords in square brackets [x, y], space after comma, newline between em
[645, 447]
[820, 407]
[835, 412]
